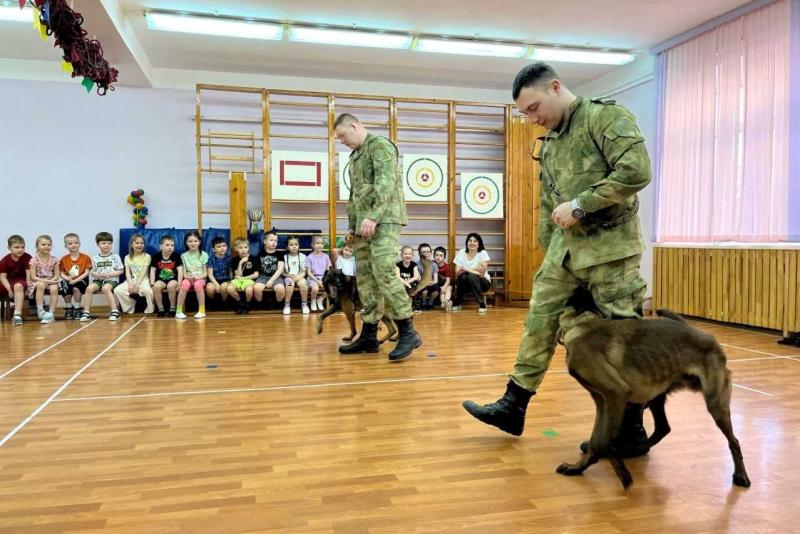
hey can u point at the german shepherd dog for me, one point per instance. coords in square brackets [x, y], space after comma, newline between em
[642, 361]
[343, 296]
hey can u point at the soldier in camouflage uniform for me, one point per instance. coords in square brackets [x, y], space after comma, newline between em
[376, 212]
[593, 162]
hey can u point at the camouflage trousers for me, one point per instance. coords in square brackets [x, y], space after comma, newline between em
[378, 285]
[617, 290]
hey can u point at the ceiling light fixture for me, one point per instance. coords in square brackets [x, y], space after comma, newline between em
[471, 48]
[214, 26]
[566, 55]
[332, 36]
[306, 33]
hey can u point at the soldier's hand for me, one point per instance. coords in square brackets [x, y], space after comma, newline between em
[562, 215]
[368, 228]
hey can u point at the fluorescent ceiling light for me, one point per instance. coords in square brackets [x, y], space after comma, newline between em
[15, 14]
[472, 48]
[581, 56]
[349, 37]
[214, 26]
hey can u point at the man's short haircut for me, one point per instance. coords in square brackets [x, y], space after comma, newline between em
[345, 118]
[103, 236]
[532, 75]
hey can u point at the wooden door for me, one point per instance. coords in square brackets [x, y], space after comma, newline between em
[523, 253]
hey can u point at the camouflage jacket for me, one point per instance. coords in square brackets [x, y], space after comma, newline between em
[376, 187]
[598, 156]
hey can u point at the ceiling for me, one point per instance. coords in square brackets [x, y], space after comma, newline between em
[634, 25]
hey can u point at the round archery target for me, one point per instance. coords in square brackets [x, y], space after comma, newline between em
[344, 175]
[483, 196]
[425, 178]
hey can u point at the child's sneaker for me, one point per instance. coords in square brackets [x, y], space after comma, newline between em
[86, 317]
[199, 315]
[69, 314]
[162, 313]
[46, 317]
[306, 311]
[114, 316]
[180, 315]
[320, 303]
[287, 310]
[16, 320]
[313, 304]
[171, 313]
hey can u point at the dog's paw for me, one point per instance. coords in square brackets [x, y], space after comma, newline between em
[741, 480]
[569, 470]
[348, 338]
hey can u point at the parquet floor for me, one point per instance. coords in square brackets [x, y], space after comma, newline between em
[255, 424]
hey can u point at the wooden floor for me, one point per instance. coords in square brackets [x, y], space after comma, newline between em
[255, 424]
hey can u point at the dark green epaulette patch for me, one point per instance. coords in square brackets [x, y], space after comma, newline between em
[604, 101]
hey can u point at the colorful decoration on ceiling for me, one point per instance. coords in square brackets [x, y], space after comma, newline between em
[139, 211]
[83, 58]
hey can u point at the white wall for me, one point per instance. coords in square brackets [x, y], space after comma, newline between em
[633, 86]
[69, 159]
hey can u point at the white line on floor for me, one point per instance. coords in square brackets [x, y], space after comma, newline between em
[277, 388]
[65, 385]
[21, 364]
[753, 390]
[755, 351]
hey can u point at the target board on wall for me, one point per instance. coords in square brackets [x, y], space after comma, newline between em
[344, 175]
[481, 195]
[425, 177]
[299, 175]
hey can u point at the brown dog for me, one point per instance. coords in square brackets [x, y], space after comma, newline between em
[642, 361]
[343, 296]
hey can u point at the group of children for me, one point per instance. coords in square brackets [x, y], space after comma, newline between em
[240, 276]
[410, 273]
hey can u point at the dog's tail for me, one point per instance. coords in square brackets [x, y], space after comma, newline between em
[666, 314]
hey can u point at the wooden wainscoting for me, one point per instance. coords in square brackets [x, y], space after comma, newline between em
[755, 287]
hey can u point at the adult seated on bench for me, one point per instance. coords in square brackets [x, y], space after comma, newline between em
[472, 275]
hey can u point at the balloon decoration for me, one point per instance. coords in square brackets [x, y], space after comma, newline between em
[139, 211]
[82, 58]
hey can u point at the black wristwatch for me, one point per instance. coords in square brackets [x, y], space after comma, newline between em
[577, 211]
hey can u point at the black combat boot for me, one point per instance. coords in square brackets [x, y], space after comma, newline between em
[366, 342]
[407, 340]
[632, 439]
[507, 413]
